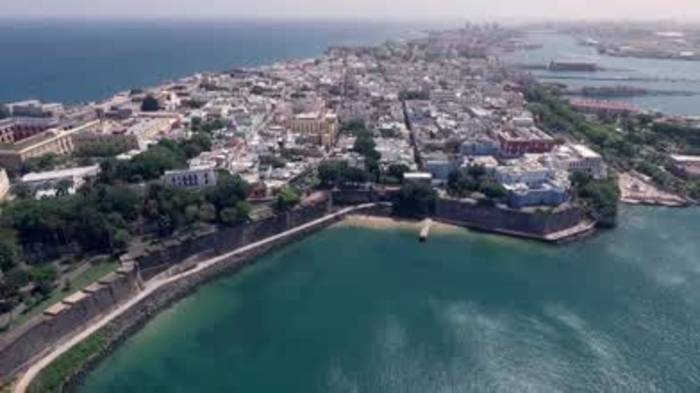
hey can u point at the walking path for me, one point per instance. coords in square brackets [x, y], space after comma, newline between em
[158, 282]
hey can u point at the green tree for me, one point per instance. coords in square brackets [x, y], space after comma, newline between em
[396, 171]
[207, 212]
[415, 200]
[8, 249]
[150, 104]
[287, 198]
[331, 173]
[44, 277]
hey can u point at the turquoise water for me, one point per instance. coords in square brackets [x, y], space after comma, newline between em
[360, 310]
[656, 74]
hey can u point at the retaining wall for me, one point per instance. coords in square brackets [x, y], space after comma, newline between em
[536, 224]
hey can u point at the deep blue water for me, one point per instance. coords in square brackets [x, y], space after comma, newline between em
[75, 61]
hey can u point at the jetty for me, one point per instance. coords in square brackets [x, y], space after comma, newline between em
[425, 230]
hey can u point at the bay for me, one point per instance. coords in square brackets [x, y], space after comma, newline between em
[364, 310]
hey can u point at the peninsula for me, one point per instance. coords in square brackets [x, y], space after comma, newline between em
[165, 187]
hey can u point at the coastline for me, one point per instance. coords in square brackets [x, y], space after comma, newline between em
[156, 296]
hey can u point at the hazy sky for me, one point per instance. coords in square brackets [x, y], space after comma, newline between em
[375, 9]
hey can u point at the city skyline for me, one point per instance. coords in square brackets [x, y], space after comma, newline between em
[506, 10]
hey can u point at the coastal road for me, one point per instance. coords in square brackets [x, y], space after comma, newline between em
[152, 285]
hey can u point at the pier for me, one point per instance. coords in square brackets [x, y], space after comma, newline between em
[425, 231]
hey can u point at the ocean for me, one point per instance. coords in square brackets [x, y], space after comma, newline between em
[79, 61]
[364, 310]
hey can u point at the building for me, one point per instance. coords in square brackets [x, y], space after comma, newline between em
[321, 127]
[54, 141]
[195, 177]
[133, 135]
[439, 165]
[579, 158]
[521, 195]
[480, 146]
[18, 128]
[47, 183]
[604, 107]
[4, 184]
[418, 177]
[35, 108]
[516, 141]
[531, 181]
[686, 166]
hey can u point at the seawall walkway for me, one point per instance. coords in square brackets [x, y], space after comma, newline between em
[160, 281]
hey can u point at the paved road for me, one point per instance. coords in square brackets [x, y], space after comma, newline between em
[154, 284]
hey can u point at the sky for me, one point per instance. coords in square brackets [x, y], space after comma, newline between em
[357, 9]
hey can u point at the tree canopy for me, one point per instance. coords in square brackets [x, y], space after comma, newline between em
[150, 104]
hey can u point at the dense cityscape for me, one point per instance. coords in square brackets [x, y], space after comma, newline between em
[439, 127]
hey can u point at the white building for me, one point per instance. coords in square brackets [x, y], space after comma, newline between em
[579, 158]
[47, 183]
[195, 177]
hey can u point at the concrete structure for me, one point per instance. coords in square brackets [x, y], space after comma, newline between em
[131, 135]
[46, 183]
[196, 177]
[35, 108]
[579, 158]
[418, 177]
[55, 141]
[686, 166]
[15, 129]
[545, 194]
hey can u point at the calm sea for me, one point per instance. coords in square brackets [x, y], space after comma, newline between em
[653, 74]
[358, 310]
[75, 61]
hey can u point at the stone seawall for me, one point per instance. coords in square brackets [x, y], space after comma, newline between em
[38, 336]
[19, 348]
[535, 224]
[140, 313]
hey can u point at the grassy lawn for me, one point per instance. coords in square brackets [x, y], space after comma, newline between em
[89, 276]
[52, 378]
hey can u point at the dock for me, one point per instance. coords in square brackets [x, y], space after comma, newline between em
[425, 231]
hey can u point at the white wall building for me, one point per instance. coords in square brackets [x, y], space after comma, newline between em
[47, 183]
[579, 158]
[195, 177]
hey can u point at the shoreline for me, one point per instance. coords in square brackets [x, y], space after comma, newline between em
[162, 292]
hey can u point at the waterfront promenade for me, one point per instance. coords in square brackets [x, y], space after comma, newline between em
[160, 281]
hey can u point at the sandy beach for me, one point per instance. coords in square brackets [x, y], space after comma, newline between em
[375, 222]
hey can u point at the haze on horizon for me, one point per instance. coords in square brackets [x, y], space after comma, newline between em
[514, 10]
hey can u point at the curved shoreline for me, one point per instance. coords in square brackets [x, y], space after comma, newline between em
[160, 293]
